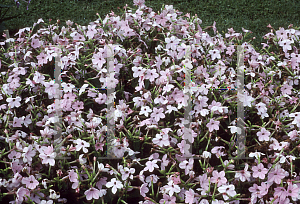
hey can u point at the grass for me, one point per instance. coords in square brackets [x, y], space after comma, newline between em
[253, 15]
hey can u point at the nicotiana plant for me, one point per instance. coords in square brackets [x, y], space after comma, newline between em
[150, 67]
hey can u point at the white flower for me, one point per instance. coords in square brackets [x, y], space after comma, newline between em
[228, 189]
[53, 194]
[206, 154]
[234, 129]
[145, 110]
[256, 154]
[115, 184]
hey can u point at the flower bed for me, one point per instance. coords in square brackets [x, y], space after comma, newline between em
[150, 66]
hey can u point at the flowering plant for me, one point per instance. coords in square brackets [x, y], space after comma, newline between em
[150, 66]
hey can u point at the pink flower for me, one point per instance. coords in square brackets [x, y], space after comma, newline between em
[73, 176]
[259, 171]
[101, 98]
[92, 193]
[35, 43]
[28, 153]
[30, 182]
[81, 144]
[14, 102]
[227, 190]
[22, 193]
[77, 105]
[276, 175]
[115, 184]
[264, 188]
[144, 189]
[168, 199]
[292, 190]
[172, 42]
[285, 44]
[98, 60]
[161, 140]
[171, 188]
[218, 178]
[187, 165]
[281, 193]
[42, 59]
[158, 114]
[48, 156]
[150, 165]
[145, 110]
[138, 71]
[17, 122]
[126, 172]
[213, 125]
[243, 175]
[215, 54]
[51, 88]
[190, 196]
[286, 89]
[151, 74]
[263, 135]
[217, 151]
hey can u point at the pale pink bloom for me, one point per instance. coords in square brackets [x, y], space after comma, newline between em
[138, 71]
[259, 171]
[101, 98]
[22, 193]
[28, 153]
[227, 190]
[73, 176]
[144, 189]
[150, 165]
[218, 177]
[213, 125]
[281, 33]
[276, 175]
[190, 196]
[115, 184]
[17, 122]
[14, 102]
[217, 151]
[48, 156]
[151, 74]
[167, 199]
[42, 58]
[145, 110]
[172, 42]
[157, 114]
[98, 60]
[126, 172]
[30, 182]
[35, 43]
[187, 165]
[92, 193]
[26, 120]
[161, 140]
[292, 190]
[264, 188]
[286, 89]
[286, 44]
[263, 135]
[281, 193]
[81, 144]
[171, 188]
[215, 54]
[243, 175]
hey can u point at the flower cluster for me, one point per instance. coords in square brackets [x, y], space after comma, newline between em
[53, 138]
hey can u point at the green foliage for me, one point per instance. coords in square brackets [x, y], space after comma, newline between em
[252, 15]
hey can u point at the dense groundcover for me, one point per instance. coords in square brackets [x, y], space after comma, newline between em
[150, 66]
